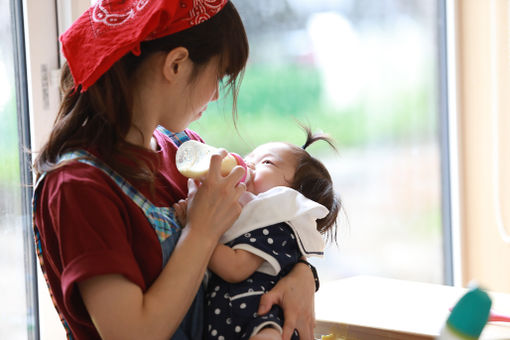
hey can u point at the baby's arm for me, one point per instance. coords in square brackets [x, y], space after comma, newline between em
[233, 265]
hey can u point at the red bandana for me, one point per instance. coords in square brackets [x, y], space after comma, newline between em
[112, 28]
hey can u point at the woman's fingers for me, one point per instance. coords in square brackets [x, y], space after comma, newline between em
[214, 205]
[214, 201]
[293, 320]
[215, 164]
[231, 181]
[180, 209]
[295, 294]
[276, 297]
[267, 301]
[235, 175]
[288, 328]
[192, 187]
[240, 189]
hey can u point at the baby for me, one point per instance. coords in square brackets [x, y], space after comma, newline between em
[290, 202]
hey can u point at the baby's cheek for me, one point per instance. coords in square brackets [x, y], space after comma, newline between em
[258, 186]
[264, 186]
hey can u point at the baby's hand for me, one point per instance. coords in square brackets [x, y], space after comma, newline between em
[180, 211]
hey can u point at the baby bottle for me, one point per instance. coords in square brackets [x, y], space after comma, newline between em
[193, 159]
[468, 316]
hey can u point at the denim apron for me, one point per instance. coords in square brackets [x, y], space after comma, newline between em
[162, 220]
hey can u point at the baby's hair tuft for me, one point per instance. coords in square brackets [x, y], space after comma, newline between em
[313, 180]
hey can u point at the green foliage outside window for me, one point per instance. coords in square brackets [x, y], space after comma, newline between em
[273, 99]
[9, 167]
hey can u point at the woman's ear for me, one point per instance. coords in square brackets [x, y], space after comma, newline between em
[175, 62]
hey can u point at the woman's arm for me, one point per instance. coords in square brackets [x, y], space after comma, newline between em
[295, 294]
[121, 310]
[233, 265]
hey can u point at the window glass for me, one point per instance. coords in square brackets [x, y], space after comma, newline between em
[366, 72]
[15, 317]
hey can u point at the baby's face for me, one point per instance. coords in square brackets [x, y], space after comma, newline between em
[270, 165]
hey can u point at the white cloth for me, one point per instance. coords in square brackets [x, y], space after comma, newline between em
[282, 204]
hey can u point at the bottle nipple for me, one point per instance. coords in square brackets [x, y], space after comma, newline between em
[193, 159]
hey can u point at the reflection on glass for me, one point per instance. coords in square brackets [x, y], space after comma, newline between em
[364, 71]
[13, 313]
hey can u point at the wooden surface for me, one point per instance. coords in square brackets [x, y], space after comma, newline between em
[366, 307]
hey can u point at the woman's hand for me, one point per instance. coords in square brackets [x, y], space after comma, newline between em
[213, 205]
[295, 294]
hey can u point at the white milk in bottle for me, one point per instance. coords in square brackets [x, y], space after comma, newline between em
[193, 159]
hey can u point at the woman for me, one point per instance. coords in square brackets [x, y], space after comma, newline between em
[117, 264]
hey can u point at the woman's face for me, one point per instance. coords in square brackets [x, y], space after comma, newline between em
[195, 94]
[270, 165]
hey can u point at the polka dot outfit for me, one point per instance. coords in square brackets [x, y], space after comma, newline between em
[231, 308]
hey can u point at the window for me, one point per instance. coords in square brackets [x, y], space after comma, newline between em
[366, 72]
[18, 279]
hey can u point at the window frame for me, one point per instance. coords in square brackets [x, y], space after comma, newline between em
[25, 159]
[482, 83]
[41, 62]
[447, 121]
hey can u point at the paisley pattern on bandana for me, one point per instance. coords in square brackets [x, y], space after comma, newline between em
[112, 13]
[203, 10]
[110, 29]
[110, 17]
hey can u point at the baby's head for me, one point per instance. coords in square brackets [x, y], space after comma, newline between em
[283, 164]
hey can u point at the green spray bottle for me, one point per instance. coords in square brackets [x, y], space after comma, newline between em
[468, 317]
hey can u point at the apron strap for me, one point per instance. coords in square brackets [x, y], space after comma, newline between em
[38, 249]
[158, 216]
[178, 138]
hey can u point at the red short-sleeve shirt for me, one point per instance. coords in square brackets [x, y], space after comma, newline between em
[89, 227]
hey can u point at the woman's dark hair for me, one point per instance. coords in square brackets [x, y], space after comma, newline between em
[313, 180]
[100, 118]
